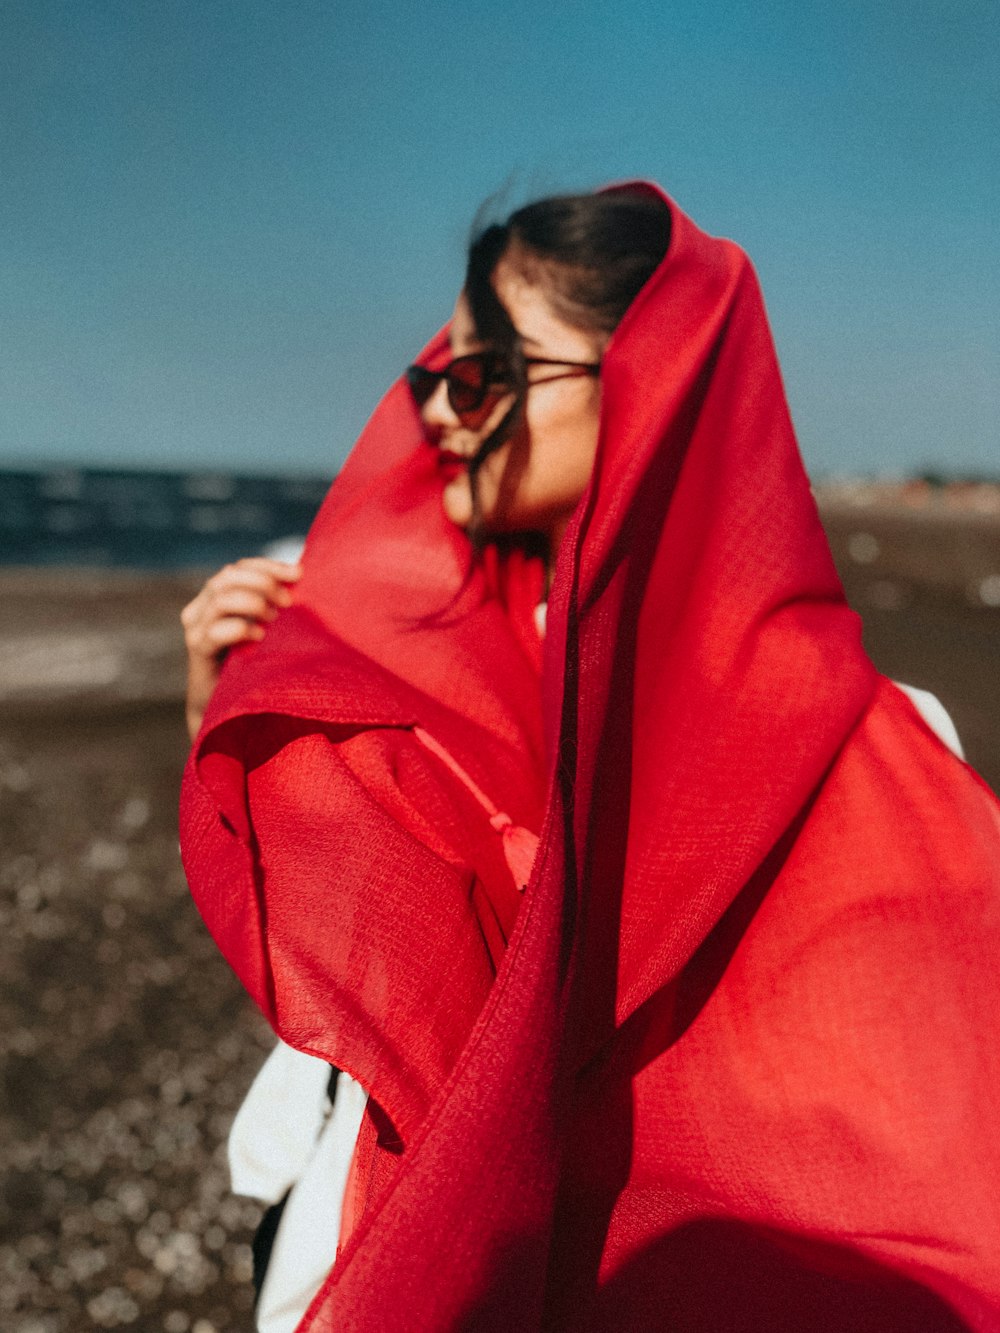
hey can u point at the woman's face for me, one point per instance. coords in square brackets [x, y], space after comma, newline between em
[534, 481]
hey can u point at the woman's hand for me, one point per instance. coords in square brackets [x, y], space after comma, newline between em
[233, 607]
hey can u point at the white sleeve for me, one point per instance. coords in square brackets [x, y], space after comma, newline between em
[286, 1134]
[275, 1130]
[305, 1245]
[933, 711]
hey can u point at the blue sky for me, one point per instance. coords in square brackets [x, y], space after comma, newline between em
[226, 225]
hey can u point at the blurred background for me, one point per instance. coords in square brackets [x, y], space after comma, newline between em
[225, 228]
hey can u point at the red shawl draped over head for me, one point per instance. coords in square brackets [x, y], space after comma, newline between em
[731, 1061]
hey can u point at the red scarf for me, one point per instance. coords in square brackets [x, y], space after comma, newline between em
[738, 1068]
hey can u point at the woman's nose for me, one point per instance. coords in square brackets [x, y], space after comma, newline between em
[437, 412]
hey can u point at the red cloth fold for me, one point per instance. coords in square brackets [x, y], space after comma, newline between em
[738, 1067]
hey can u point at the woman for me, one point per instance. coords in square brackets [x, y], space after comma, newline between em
[720, 1054]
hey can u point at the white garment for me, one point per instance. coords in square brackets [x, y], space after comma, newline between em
[933, 711]
[285, 1134]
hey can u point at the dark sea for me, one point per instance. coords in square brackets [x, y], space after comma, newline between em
[150, 520]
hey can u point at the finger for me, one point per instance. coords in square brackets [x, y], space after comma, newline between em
[254, 580]
[286, 570]
[232, 630]
[255, 573]
[238, 601]
[193, 610]
[281, 570]
[209, 639]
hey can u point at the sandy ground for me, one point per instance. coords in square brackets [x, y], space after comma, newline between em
[920, 592]
[127, 1042]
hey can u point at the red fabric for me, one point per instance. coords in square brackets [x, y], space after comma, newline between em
[520, 845]
[738, 1068]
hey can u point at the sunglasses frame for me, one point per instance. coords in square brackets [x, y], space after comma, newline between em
[467, 400]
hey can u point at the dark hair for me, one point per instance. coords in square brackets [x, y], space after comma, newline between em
[591, 254]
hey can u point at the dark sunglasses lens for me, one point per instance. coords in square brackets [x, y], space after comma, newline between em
[422, 383]
[467, 381]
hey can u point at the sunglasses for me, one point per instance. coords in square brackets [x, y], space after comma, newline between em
[479, 376]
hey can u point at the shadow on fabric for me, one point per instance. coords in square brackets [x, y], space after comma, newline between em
[720, 1276]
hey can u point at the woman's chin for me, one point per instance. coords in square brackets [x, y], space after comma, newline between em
[456, 500]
